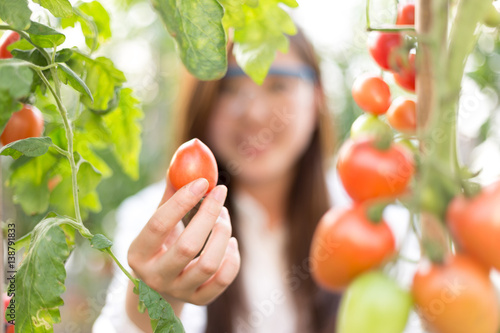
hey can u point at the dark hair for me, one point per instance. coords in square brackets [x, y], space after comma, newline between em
[308, 200]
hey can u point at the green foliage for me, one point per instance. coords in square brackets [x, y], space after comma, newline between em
[197, 29]
[30, 147]
[16, 13]
[162, 315]
[39, 298]
[58, 8]
[201, 33]
[15, 82]
[100, 242]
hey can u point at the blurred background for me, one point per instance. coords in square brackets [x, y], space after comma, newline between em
[142, 49]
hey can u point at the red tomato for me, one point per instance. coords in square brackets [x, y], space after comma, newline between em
[456, 297]
[9, 37]
[10, 329]
[371, 173]
[475, 224]
[406, 76]
[402, 115]
[372, 94]
[193, 160]
[384, 48]
[25, 123]
[406, 14]
[345, 244]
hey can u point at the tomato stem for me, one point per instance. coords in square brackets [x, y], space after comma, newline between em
[375, 212]
[399, 28]
[126, 272]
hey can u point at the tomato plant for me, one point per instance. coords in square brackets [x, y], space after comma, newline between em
[25, 123]
[193, 160]
[8, 37]
[406, 14]
[456, 296]
[372, 94]
[402, 115]
[347, 243]
[374, 303]
[384, 48]
[368, 172]
[475, 224]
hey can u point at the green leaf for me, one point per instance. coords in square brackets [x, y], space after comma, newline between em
[23, 242]
[61, 198]
[58, 8]
[102, 79]
[16, 13]
[29, 181]
[100, 242]
[34, 56]
[64, 55]
[15, 82]
[67, 76]
[41, 275]
[94, 21]
[125, 128]
[255, 44]
[45, 36]
[30, 147]
[197, 28]
[162, 315]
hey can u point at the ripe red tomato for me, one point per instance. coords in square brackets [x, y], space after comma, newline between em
[372, 94]
[402, 115]
[384, 48]
[456, 297]
[406, 76]
[371, 173]
[475, 224]
[193, 160]
[9, 37]
[406, 14]
[10, 329]
[345, 244]
[25, 123]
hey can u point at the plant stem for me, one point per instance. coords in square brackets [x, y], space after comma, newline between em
[398, 28]
[69, 137]
[134, 280]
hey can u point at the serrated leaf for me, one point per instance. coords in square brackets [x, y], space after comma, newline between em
[45, 36]
[40, 277]
[197, 28]
[94, 21]
[29, 181]
[67, 76]
[125, 128]
[234, 16]
[100, 242]
[255, 44]
[15, 77]
[16, 13]
[58, 8]
[162, 315]
[30, 147]
[103, 80]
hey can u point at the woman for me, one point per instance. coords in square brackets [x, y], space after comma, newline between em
[272, 143]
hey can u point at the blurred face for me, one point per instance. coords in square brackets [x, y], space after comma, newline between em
[260, 132]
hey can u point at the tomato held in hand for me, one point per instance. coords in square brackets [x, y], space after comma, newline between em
[374, 303]
[384, 48]
[406, 14]
[345, 244]
[193, 160]
[372, 94]
[25, 123]
[9, 37]
[368, 172]
[406, 76]
[475, 225]
[456, 297]
[402, 115]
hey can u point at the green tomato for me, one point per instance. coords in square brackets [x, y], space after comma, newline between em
[369, 124]
[374, 303]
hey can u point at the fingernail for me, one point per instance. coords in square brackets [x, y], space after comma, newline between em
[199, 186]
[219, 193]
[233, 244]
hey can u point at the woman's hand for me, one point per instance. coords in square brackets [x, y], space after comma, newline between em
[163, 253]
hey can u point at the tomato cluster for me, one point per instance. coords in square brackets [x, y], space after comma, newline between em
[451, 294]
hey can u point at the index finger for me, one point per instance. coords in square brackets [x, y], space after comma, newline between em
[150, 239]
[169, 190]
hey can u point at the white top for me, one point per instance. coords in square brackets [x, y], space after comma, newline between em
[263, 268]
